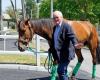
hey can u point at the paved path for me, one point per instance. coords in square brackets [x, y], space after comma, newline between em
[17, 74]
[87, 63]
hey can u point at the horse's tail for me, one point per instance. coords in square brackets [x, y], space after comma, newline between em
[98, 54]
[96, 44]
[98, 48]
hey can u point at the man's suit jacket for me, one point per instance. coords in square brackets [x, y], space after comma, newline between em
[66, 42]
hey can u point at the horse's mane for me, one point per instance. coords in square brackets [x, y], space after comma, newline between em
[43, 22]
[43, 27]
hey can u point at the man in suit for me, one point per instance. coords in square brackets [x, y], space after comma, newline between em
[63, 46]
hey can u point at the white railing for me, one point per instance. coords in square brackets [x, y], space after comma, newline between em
[5, 36]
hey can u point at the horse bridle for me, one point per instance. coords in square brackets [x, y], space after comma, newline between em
[31, 34]
[31, 30]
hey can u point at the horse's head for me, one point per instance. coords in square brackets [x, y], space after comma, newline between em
[25, 34]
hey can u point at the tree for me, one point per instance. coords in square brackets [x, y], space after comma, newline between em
[96, 11]
[10, 12]
[45, 9]
[74, 9]
[31, 8]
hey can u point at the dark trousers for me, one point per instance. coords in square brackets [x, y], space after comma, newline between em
[62, 70]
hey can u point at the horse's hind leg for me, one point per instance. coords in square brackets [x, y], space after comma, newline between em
[93, 43]
[93, 53]
[80, 60]
[53, 70]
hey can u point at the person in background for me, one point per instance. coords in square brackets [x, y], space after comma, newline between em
[63, 46]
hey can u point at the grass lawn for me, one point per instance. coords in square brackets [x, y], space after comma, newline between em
[20, 59]
[24, 59]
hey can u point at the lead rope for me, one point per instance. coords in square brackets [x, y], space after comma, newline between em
[48, 60]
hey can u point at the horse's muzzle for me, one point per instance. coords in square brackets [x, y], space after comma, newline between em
[22, 45]
[21, 49]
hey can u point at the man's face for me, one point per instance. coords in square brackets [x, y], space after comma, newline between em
[57, 19]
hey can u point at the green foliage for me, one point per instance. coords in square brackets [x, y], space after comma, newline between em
[31, 8]
[10, 12]
[71, 9]
[45, 9]
[74, 9]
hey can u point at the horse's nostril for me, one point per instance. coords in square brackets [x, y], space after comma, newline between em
[21, 49]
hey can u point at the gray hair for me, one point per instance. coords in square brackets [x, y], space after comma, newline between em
[58, 13]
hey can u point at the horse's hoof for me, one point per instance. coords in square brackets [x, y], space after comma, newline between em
[72, 78]
[93, 79]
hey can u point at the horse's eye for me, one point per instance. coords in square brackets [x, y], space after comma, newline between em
[23, 30]
[22, 33]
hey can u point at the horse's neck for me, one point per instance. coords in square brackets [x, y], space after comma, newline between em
[43, 28]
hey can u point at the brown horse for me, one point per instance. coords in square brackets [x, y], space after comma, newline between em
[85, 32]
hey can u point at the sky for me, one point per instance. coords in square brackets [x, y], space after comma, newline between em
[6, 3]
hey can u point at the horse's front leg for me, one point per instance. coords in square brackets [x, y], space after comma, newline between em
[53, 70]
[53, 73]
[80, 60]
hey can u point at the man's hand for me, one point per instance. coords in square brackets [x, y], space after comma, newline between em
[50, 50]
[79, 45]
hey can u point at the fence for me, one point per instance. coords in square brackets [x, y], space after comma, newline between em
[4, 43]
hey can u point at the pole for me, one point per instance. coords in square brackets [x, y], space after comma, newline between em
[0, 14]
[51, 8]
[37, 10]
[15, 6]
[23, 9]
[37, 50]
[37, 40]
[31, 14]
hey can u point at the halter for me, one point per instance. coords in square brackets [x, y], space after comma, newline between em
[31, 34]
[31, 30]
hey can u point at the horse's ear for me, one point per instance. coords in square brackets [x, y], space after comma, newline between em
[29, 23]
[26, 21]
[17, 24]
